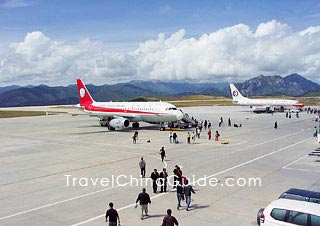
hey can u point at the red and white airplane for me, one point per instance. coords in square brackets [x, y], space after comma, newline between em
[118, 115]
[263, 105]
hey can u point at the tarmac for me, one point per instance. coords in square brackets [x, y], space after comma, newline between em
[52, 168]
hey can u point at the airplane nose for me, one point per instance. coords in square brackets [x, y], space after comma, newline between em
[179, 115]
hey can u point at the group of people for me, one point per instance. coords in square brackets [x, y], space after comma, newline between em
[113, 218]
[173, 138]
[184, 190]
[181, 184]
[161, 177]
[288, 114]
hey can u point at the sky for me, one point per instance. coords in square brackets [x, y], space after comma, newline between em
[54, 42]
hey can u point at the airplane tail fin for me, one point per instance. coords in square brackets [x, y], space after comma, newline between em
[236, 95]
[84, 95]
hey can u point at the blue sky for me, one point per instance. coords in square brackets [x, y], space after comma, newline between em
[107, 38]
[132, 22]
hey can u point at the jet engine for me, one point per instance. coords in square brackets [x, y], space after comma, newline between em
[119, 123]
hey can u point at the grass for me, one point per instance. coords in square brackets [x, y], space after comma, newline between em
[185, 101]
[309, 101]
[13, 114]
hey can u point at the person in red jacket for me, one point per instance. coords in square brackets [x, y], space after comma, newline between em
[209, 134]
[169, 220]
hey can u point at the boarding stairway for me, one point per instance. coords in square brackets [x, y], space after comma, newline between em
[187, 119]
[185, 122]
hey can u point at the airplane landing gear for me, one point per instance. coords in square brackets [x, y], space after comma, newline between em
[135, 125]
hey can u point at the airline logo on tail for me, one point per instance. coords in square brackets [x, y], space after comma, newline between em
[85, 97]
[82, 92]
[235, 93]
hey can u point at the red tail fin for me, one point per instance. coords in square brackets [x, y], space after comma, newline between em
[84, 95]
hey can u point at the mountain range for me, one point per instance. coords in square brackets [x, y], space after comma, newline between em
[291, 85]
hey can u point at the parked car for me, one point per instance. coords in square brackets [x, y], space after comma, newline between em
[296, 194]
[290, 212]
[302, 195]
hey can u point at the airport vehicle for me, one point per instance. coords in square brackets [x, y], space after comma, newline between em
[302, 195]
[263, 105]
[118, 115]
[290, 212]
[296, 194]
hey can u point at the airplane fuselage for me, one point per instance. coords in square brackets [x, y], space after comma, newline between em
[269, 102]
[153, 112]
[260, 105]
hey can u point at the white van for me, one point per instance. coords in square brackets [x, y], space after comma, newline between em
[290, 212]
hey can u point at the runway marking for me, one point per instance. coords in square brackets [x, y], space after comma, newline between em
[279, 138]
[92, 193]
[306, 170]
[66, 200]
[242, 148]
[294, 161]
[84, 195]
[308, 163]
[301, 169]
[122, 208]
[213, 175]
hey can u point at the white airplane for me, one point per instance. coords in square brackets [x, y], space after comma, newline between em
[263, 105]
[118, 115]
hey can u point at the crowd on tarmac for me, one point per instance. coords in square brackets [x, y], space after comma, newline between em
[182, 187]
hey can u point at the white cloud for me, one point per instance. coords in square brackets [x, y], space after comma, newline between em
[272, 28]
[16, 4]
[236, 52]
[165, 9]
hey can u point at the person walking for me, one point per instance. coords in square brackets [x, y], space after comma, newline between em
[169, 220]
[187, 192]
[134, 138]
[209, 134]
[177, 176]
[198, 132]
[229, 122]
[315, 133]
[193, 137]
[180, 195]
[163, 180]
[276, 125]
[188, 137]
[170, 136]
[113, 216]
[155, 176]
[162, 153]
[142, 165]
[174, 138]
[144, 200]
[216, 138]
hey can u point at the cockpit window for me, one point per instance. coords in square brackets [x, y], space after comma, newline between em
[172, 108]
